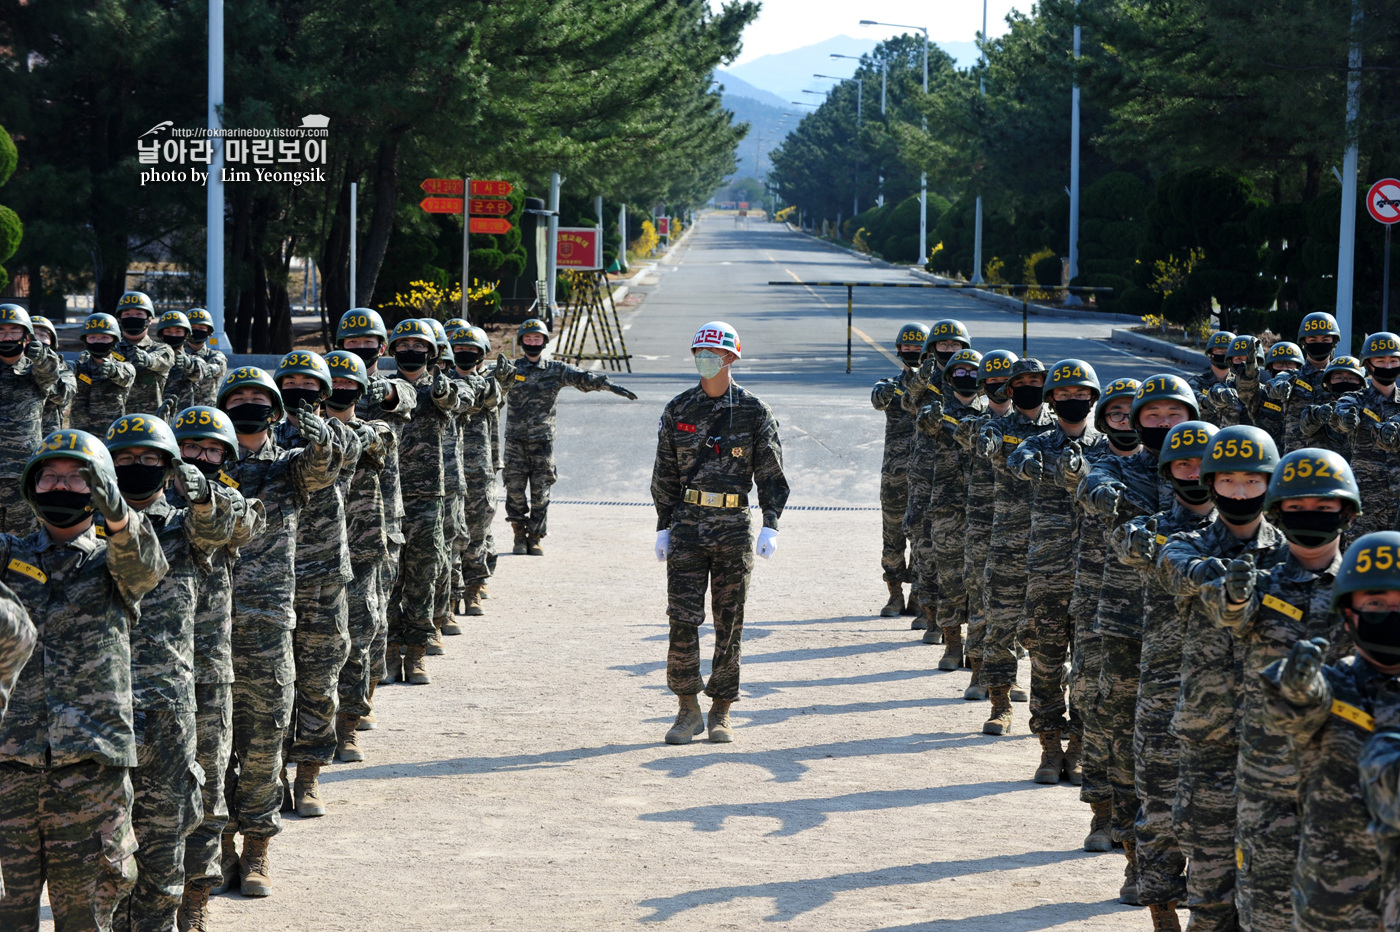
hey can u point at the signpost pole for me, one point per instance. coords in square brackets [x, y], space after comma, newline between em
[214, 185]
[552, 255]
[850, 298]
[1385, 283]
[1383, 204]
[1025, 317]
[466, 245]
[354, 196]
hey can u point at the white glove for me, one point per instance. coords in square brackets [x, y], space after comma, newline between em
[663, 545]
[767, 543]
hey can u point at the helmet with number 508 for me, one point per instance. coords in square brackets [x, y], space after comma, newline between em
[1319, 324]
[1371, 564]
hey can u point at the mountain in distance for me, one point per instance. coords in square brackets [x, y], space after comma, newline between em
[734, 86]
[767, 124]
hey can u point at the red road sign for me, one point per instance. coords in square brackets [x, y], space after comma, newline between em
[444, 186]
[489, 207]
[441, 205]
[663, 226]
[489, 188]
[1383, 200]
[496, 225]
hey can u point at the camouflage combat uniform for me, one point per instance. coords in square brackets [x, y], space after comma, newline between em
[720, 445]
[480, 448]
[1372, 459]
[1204, 722]
[17, 637]
[194, 378]
[68, 741]
[924, 385]
[947, 509]
[1305, 389]
[1290, 603]
[153, 361]
[530, 424]
[1314, 423]
[60, 403]
[977, 533]
[1201, 383]
[456, 536]
[887, 396]
[366, 510]
[1261, 410]
[24, 389]
[397, 416]
[103, 386]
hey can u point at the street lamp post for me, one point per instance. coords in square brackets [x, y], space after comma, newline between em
[923, 176]
[884, 77]
[977, 223]
[860, 93]
[1071, 299]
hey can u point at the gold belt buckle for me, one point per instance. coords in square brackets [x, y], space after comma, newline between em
[712, 499]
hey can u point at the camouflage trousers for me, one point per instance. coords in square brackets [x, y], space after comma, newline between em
[923, 568]
[894, 498]
[413, 598]
[479, 557]
[1267, 839]
[1046, 633]
[69, 827]
[973, 562]
[529, 463]
[694, 565]
[166, 806]
[1204, 817]
[946, 543]
[388, 577]
[1156, 762]
[1003, 602]
[456, 538]
[213, 725]
[363, 598]
[264, 690]
[1085, 661]
[1118, 693]
[16, 517]
[320, 645]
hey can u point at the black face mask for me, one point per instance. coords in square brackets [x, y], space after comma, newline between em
[99, 350]
[967, 384]
[1124, 440]
[174, 341]
[197, 337]
[140, 481]
[1311, 528]
[210, 470]
[369, 356]
[534, 351]
[1344, 386]
[910, 358]
[294, 398]
[1377, 635]
[1073, 410]
[1220, 360]
[343, 399]
[1317, 351]
[250, 418]
[1027, 397]
[1192, 492]
[11, 347]
[1153, 437]
[63, 507]
[943, 357]
[996, 392]
[1385, 376]
[1239, 511]
[411, 360]
[134, 326]
[467, 359]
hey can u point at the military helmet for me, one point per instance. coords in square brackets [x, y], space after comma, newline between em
[43, 323]
[995, 365]
[912, 333]
[444, 345]
[1163, 388]
[454, 323]
[1313, 473]
[947, 329]
[101, 323]
[201, 422]
[715, 335]
[470, 336]
[1284, 351]
[964, 357]
[135, 299]
[1220, 341]
[1118, 388]
[251, 377]
[14, 314]
[1245, 345]
[1072, 373]
[302, 362]
[1028, 366]
[174, 319]
[343, 364]
[65, 444]
[199, 317]
[1344, 364]
[1383, 343]
[1372, 562]
[535, 325]
[142, 430]
[1240, 449]
[360, 322]
[413, 328]
[1319, 323]
[1185, 441]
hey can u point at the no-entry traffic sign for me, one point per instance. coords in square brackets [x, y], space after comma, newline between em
[1383, 200]
[497, 225]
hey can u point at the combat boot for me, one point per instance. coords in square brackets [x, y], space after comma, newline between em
[689, 722]
[306, 791]
[895, 606]
[347, 738]
[913, 607]
[450, 627]
[1018, 693]
[952, 658]
[367, 721]
[720, 732]
[1100, 837]
[254, 867]
[1128, 893]
[975, 691]
[416, 665]
[1052, 758]
[922, 621]
[192, 915]
[484, 591]
[393, 663]
[228, 862]
[474, 600]
[999, 723]
[287, 804]
[1164, 917]
[532, 546]
[435, 646]
[520, 541]
[1073, 769]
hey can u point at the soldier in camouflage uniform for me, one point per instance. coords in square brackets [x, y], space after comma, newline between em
[714, 443]
[104, 379]
[1054, 463]
[1370, 419]
[947, 508]
[57, 407]
[197, 344]
[455, 534]
[191, 375]
[1158, 862]
[17, 638]
[1226, 402]
[264, 589]
[993, 372]
[1318, 337]
[153, 360]
[530, 424]
[68, 741]
[1237, 467]
[208, 442]
[1312, 496]
[1218, 373]
[167, 802]
[1281, 366]
[1005, 575]
[321, 641]
[887, 396]
[1343, 376]
[28, 379]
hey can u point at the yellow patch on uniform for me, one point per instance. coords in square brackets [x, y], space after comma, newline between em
[118, 357]
[950, 419]
[520, 378]
[1354, 715]
[1239, 858]
[33, 572]
[1161, 539]
[1303, 385]
[1011, 440]
[935, 389]
[899, 391]
[1371, 414]
[1283, 608]
[84, 378]
[1273, 407]
[99, 530]
[228, 480]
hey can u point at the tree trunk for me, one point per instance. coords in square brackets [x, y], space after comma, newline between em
[386, 177]
[240, 274]
[335, 256]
